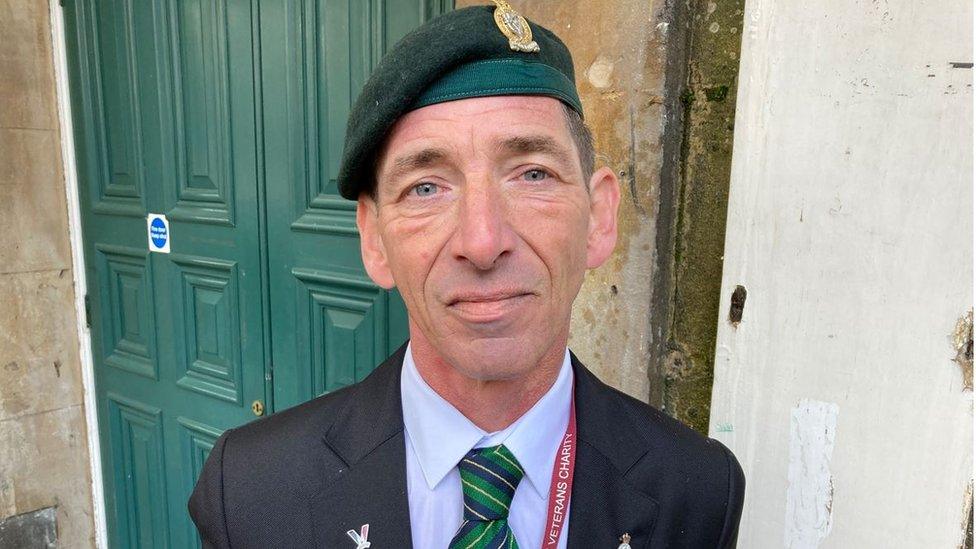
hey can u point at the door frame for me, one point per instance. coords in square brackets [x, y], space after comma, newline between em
[63, 99]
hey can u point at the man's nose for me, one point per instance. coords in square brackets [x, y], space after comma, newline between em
[484, 234]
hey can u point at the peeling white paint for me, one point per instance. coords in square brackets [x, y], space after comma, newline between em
[810, 494]
[962, 343]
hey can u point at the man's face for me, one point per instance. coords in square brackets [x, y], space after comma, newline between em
[483, 221]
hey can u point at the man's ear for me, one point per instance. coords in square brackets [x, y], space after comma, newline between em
[371, 244]
[604, 200]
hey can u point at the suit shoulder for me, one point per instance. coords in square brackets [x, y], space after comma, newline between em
[696, 481]
[671, 443]
[295, 425]
[291, 436]
[280, 457]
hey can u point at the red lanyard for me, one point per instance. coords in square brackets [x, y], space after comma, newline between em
[561, 486]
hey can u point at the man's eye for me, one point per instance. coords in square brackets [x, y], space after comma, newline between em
[424, 189]
[535, 175]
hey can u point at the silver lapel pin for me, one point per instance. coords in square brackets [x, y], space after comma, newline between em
[624, 542]
[360, 536]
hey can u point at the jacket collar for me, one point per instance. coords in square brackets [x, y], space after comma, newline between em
[372, 412]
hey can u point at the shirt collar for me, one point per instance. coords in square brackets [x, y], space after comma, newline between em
[441, 435]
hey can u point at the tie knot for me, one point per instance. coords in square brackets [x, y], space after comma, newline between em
[489, 477]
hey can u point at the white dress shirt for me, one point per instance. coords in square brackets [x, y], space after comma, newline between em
[438, 436]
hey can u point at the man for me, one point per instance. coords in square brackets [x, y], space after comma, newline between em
[478, 200]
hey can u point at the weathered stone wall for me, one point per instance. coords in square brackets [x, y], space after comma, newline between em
[43, 447]
[620, 56]
[657, 79]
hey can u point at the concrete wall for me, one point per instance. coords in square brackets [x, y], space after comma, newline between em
[43, 446]
[850, 230]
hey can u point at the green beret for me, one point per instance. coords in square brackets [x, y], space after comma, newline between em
[458, 55]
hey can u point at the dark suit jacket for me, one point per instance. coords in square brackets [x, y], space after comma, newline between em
[304, 476]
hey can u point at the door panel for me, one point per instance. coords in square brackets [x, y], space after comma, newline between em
[203, 65]
[179, 110]
[346, 321]
[114, 113]
[128, 339]
[137, 450]
[330, 324]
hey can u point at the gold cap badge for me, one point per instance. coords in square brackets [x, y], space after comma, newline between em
[515, 27]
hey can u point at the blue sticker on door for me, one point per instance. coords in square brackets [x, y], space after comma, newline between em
[157, 227]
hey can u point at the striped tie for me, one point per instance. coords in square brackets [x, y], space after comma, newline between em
[488, 479]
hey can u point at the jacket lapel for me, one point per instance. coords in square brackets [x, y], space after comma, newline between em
[604, 504]
[371, 485]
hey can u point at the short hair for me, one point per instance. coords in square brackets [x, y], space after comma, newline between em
[583, 139]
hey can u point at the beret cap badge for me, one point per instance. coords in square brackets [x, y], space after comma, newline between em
[514, 27]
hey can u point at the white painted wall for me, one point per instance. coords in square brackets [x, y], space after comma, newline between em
[850, 226]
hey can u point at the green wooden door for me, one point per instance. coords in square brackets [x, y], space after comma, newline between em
[226, 116]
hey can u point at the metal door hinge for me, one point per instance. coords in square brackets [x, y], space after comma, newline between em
[87, 310]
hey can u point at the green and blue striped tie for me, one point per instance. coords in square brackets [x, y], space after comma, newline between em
[488, 480]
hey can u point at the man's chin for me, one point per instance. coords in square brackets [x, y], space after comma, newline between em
[486, 372]
[494, 359]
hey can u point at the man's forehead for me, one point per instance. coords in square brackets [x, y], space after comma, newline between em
[500, 110]
[503, 124]
[496, 120]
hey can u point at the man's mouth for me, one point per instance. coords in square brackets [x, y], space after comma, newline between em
[487, 306]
